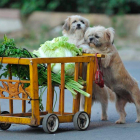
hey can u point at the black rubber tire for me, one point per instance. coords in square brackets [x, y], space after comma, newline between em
[81, 121]
[50, 123]
[5, 126]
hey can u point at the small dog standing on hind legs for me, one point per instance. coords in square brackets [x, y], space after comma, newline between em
[74, 28]
[116, 76]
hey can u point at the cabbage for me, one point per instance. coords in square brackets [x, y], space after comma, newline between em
[59, 47]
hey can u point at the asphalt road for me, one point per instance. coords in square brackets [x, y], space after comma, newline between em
[98, 130]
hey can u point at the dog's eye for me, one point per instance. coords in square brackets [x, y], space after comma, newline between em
[96, 36]
[74, 21]
[82, 21]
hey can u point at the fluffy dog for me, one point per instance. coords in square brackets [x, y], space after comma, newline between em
[116, 76]
[74, 28]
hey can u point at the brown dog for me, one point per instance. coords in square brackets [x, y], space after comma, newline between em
[116, 76]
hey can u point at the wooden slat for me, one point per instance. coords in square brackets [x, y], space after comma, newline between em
[90, 73]
[62, 59]
[61, 101]
[49, 107]
[80, 69]
[76, 101]
[10, 80]
[64, 118]
[13, 98]
[23, 104]
[65, 113]
[98, 55]
[35, 120]
[11, 60]
[24, 114]
[17, 120]
[27, 61]
[10, 100]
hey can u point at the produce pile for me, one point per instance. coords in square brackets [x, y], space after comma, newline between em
[58, 47]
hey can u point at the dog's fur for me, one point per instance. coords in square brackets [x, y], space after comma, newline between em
[76, 36]
[116, 76]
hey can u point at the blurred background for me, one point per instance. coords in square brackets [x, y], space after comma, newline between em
[32, 22]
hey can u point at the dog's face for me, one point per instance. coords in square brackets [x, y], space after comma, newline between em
[75, 23]
[99, 36]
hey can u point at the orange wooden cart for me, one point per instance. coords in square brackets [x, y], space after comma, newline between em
[49, 119]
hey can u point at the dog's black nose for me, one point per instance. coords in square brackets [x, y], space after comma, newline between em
[91, 39]
[78, 25]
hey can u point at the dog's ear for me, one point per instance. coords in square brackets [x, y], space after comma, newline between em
[86, 34]
[110, 34]
[86, 22]
[66, 25]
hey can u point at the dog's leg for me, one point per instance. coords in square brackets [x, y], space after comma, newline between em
[138, 113]
[104, 110]
[101, 95]
[103, 98]
[120, 104]
[136, 98]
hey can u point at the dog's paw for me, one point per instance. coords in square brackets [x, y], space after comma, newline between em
[120, 122]
[86, 51]
[104, 118]
[137, 121]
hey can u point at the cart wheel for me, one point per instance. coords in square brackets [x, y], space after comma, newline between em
[50, 123]
[81, 120]
[29, 111]
[5, 126]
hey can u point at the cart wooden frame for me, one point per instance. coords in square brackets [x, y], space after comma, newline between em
[35, 117]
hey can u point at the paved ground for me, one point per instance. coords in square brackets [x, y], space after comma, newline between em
[98, 130]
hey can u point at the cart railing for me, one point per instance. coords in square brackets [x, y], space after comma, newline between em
[32, 90]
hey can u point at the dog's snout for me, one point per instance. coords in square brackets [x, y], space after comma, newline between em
[91, 39]
[78, 25]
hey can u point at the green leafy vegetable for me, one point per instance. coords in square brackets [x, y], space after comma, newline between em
[59, 47]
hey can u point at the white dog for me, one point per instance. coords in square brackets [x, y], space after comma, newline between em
[74, 28]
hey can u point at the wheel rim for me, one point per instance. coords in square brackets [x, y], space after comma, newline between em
[83, 121]
[52, 123]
